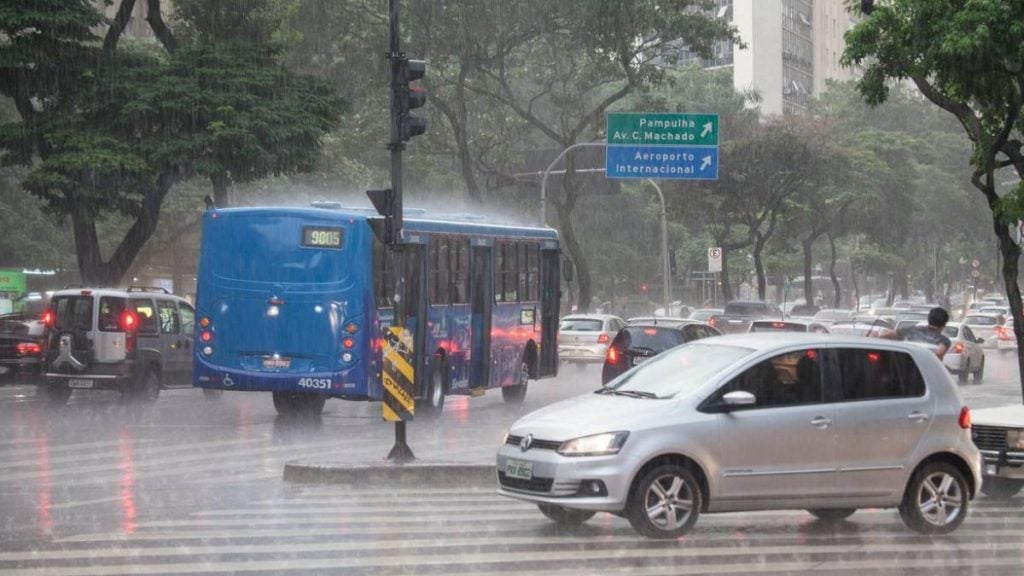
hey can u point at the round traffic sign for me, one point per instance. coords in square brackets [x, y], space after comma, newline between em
[975, 263]
[975, 273]
[714, 253]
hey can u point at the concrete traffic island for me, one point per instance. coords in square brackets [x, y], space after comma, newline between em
[411, 474]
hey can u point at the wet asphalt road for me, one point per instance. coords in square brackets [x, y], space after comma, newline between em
[193, 486]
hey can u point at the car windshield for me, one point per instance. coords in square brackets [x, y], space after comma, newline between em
[581, 325]
[680, 370]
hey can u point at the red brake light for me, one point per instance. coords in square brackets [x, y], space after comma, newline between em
[613, 355]
[129, 321]
[812, 354]
[348, 342]
[873, 357]
[603, 339]
[958, 347]
[651, 331]
[206, 336]
[29, 349]
[965, 418]
[48, 318]
[778, 324]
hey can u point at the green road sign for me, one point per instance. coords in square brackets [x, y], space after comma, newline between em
[653, 128]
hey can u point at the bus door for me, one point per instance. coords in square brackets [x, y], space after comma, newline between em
[549, 299]
[481, 303]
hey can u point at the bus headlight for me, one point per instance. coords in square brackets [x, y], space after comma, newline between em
[597, 445]
[346, 357]
[207, 350]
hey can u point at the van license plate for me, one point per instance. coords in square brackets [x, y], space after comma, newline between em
[518, 469]
[79, 383]
[276, 362]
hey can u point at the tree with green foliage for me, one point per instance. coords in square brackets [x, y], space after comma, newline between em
[966, 58]
[109, 126]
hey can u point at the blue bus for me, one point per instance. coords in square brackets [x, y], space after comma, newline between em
[295, 301]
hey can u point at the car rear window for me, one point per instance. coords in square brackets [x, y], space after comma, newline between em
[653, 338]
[980, 321]
[745, 308]
[581, 325]
[950, 331]
[72, 312]
[777, 327]
[869, 374]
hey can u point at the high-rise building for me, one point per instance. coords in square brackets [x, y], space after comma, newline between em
[791, 48]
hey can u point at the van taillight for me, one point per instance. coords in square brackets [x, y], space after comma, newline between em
[129, 322]
[48, 318]
[965, 418]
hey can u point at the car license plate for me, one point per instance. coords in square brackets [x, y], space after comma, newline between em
[639, 359]
[518, 469]
[79, 383]
[276, 362]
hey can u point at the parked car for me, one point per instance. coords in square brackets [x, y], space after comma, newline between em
[754, 422]
[136, 341]
[791, 325]
[20, 349]
[639, 342]
[965, 355]
[984, 326]
[737, 315]
[999, 435]
[584, 338]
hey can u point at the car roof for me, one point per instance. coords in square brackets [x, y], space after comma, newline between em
[118, 292]
[766, 341]
[660, 320]
[983, 315]
[590, 317]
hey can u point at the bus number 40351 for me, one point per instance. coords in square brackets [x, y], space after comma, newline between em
[319, 383]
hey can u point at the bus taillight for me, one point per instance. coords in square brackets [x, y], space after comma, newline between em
[206, 336]
[351, 328]
[348, 343]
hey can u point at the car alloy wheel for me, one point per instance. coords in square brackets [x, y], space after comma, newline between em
[936, 499]
[665, 503]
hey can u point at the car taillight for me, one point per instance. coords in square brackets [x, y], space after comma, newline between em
[958, 347]
[129, 323]
[712, 321]
[613, 355]
[49, 318]
[965, 418]
[603, 339]
[29, 349]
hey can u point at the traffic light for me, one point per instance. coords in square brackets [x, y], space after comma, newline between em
[672, 262]
[384, 202]
[410, 98]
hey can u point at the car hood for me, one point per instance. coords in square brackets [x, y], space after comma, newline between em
[593, 414]
[1011, 416]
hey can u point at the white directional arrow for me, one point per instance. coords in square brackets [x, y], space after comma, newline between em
[707, 129]
[705, 163]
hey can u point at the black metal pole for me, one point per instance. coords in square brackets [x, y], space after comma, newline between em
[400, 452]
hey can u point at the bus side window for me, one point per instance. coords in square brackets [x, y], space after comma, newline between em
[383, 275]
[460, 270]
[440, 263]
[529, 272]
[506, 289]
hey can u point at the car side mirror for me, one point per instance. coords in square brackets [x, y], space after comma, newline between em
[979, 340]
[739, 398]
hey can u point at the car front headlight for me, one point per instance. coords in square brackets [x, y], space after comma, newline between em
[1015, 439]
[597, 445]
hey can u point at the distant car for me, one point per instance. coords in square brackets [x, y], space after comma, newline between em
[803, 311]
[658, 320]
[861, 326]
[705, 314]
[830, 315]
[790, 325]
[965, 355]
[753, 422]
[999, 435]
[584, 338]
[737, 315]
[1006, 340]
[21, 349]
[638, 343]
[1003, 311]
[984, 326]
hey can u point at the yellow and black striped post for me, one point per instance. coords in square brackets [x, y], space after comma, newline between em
[399, 378]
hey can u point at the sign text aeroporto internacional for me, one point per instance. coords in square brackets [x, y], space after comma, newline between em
[662, 145]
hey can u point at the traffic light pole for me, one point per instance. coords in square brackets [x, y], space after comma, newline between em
[401, 452]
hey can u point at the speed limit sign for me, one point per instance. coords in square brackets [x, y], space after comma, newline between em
[714, 259]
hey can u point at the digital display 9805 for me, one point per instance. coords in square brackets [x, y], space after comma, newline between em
[322, 237]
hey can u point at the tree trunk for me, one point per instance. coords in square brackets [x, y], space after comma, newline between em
[808, 243]
[837, 294]
[759, 266]
[724, 278]
[221, 189]
[1010, 252]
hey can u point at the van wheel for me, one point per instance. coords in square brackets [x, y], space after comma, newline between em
[432, 405]
[212, 393]
[1001, 488]
[832, 514]
[515, 394]
[294, 404]
[566, 517]
[145, 390]
[936, 499]
[55, 393]
[665, 503]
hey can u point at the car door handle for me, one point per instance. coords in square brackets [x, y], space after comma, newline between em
[821, 422]
[918, 416]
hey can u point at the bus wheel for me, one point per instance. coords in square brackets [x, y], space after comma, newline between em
[432, 404]
[515, 394]
[292, 404]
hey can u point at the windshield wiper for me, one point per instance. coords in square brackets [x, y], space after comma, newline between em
[630, 393]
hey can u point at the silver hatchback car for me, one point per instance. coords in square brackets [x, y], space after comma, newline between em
[754, 422]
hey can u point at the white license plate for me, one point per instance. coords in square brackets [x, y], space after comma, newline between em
[278, 362]
[639, 359]
[518, 469]
[79, 383]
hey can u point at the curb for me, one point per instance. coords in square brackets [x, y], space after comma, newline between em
[417, 473]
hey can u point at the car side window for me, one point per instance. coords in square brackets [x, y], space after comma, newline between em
[876, 374]
[146, 312]
[188, 319]
[789, 379]
[169, 321]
